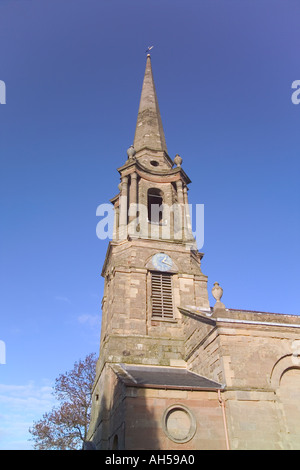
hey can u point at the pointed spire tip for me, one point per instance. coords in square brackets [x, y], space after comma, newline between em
[149, 130]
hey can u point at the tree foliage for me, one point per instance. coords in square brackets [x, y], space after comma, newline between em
[65, 426]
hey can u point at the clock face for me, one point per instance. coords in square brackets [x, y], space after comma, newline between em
[162, 262]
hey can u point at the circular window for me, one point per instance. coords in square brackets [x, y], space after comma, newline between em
[179, 423]
[154, 163]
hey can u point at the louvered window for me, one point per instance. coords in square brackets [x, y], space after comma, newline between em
[162, 302]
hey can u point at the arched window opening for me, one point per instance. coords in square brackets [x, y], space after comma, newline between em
[155, 206]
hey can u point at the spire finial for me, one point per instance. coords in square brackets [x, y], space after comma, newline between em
[148, 50]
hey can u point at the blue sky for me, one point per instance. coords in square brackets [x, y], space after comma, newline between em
[73, 71]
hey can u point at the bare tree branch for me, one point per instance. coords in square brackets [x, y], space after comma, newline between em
[65, 427]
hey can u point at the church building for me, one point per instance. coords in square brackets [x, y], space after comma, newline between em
[175, 373]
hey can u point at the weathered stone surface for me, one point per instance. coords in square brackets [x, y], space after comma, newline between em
[149, 129]
[252, 358]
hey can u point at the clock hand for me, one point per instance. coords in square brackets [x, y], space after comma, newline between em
[164, 261]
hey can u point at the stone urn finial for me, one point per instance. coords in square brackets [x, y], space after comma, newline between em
[217, 292]
[178, 160]
[131, 152]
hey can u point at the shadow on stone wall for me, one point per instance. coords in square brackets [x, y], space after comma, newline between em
[125, 421]
[142, 421]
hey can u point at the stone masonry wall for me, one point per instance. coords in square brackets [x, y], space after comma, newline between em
[252, 360]
[127, 311]
[145, 411]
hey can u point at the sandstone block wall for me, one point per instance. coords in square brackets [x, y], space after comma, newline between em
[145, 411]
[260, 368]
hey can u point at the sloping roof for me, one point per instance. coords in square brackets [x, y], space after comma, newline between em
[163, 377]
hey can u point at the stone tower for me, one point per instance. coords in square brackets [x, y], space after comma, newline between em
[169, 363]
[152, 266]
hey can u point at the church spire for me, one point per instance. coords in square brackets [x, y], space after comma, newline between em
[149, 131]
